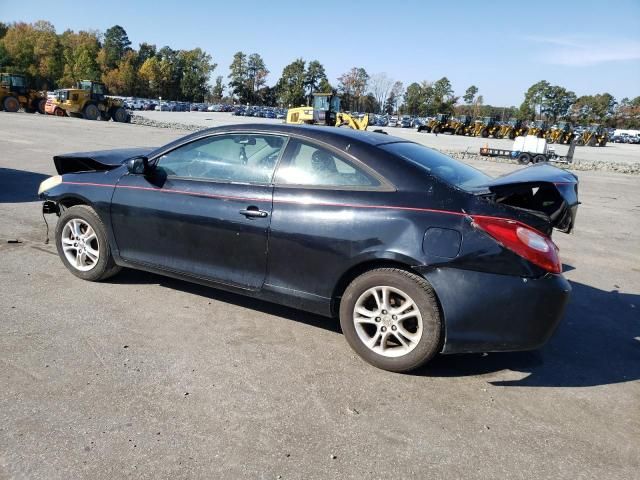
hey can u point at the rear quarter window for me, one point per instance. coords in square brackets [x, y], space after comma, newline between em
[439, 165]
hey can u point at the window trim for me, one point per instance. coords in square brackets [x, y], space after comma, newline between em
[285, 160]
[156, 159]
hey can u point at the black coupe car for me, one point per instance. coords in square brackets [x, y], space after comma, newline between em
[416, 252]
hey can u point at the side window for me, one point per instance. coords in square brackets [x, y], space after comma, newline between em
[242, 158]
[315, 166]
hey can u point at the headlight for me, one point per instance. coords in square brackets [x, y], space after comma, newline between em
[49, 183]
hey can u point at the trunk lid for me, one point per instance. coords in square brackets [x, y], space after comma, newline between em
[542, 190]
[96, 161]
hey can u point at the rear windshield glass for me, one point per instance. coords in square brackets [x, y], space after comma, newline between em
[439, 165]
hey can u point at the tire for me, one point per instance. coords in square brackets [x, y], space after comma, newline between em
[539, 159]
[105, 116]
[423, 326]
[437, 129]
[524, 158]
[119, 115]
[484, 133]
[40, 104]
[580, 142]
[83, 217]
[10, 104]
[58, 112]
[91, 112]
[497, 134]
[512, 134]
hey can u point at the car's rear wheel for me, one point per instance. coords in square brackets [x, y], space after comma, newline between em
[81, 240]
[391, 318]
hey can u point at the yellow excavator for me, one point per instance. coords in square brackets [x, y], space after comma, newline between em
[325, 110]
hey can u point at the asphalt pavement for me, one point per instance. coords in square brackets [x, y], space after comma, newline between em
[147, 377]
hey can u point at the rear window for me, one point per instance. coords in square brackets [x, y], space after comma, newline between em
[439, 165]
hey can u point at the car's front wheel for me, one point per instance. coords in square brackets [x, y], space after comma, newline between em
[81, 240]
[391, 318]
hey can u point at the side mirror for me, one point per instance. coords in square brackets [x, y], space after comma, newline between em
[138, 165]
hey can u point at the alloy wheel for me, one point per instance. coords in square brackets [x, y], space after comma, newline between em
[387, 321]
[80, 245]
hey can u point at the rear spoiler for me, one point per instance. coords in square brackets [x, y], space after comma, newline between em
[540, 189]
[96, 161]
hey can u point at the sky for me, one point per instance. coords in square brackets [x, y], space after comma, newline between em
[502, 47]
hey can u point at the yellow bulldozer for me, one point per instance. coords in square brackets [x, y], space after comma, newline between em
[562, 133]
[325, 110]
[87, 100]
[594, 136]
[484, 127]
[511, 129]
[15, 94]
[444, 123]
[538, 128]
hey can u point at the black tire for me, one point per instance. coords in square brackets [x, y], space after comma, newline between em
[497, 134]
[105, 116]
[484, 133]
[580, 142]
[524, 158]
[459, 131]
[91, 112]
[119, 115]
[105, 266]
[424, 298]
[39, 105]
[539, 159]
[512, 134]
[437, 129]
[10, 104]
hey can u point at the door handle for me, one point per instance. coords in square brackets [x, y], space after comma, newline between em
[253, 212]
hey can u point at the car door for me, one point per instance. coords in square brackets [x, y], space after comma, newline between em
[204, 209]
[318, 223]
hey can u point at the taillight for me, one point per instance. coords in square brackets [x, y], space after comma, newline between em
[522, 240]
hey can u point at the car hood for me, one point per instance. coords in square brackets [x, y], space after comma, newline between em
[544, 190]
[96, 161]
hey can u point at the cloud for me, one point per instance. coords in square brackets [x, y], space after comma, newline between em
[574, 51]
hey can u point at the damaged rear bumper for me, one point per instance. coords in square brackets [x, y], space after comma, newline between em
[487, 312]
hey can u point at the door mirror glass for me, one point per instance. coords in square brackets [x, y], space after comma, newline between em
[138, 165]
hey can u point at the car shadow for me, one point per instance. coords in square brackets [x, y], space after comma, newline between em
[597, 342]
[138, 277]
[18, 186]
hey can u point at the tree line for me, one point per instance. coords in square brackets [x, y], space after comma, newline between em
[53, 60]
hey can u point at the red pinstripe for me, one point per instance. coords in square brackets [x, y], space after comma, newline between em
[230, 197]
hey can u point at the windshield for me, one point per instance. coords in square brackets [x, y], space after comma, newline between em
[439, 165]
[321, 103]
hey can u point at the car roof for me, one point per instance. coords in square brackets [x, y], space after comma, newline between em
[320, 133]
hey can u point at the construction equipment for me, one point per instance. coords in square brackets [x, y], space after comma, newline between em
[15, 93]
[87, 100]
[594, 136]
[512, 129]
[538, 128]
[484, 127]
[563, 133]
[325, 110]
[443, 123]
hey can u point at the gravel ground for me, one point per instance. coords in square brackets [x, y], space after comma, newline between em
[148, 377]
